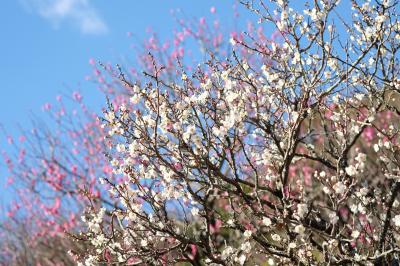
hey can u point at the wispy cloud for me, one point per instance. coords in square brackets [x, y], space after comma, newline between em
[79, 13]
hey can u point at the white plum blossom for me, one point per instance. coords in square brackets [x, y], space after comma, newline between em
[247, 233]
[299, 229]
[302, 210]
[276, 237]
[266, 221]
[351, 170]
[396, 220]
[195, 211]
[339, 187]
[355, 234]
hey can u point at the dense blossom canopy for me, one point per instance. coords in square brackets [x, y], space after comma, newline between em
[285, 153]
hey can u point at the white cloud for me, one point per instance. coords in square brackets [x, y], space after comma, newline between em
[77, 12]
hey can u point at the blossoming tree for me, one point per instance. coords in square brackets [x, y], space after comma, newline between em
[54, 168]
[286, 152]
[51, 169]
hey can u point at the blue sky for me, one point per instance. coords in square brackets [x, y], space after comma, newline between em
[46, 45]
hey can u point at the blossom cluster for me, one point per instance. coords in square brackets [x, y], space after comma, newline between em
[286, 153]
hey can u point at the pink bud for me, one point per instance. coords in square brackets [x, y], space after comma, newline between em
[46, 106]
[77, 96]
[178, 166]
[193, 251]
